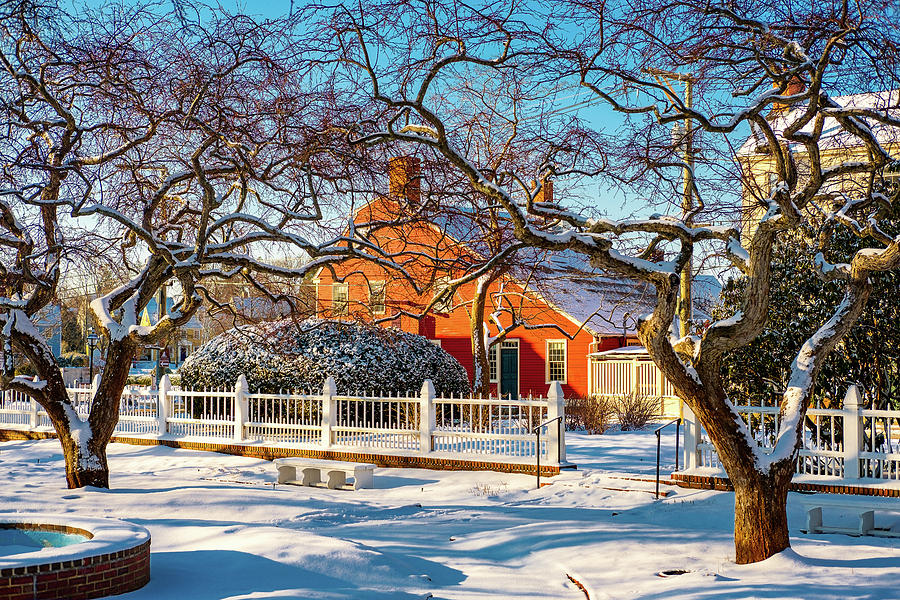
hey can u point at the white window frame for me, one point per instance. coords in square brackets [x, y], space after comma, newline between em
[565, 361]
[334, 305]
[436, 342]
[383, 285]
[494, 363]
[440, 284]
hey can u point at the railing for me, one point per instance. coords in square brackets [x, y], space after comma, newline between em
[423, 424]
[611, 377]
[658, 431]
[848, 443]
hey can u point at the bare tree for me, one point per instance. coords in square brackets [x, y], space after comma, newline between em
[746, 60]
[194, 151]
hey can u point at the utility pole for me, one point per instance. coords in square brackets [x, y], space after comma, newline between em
[160, 312]
[685, 300]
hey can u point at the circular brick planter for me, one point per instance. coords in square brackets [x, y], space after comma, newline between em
[114, 560]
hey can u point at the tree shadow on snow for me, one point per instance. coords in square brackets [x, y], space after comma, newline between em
[387, 482]
[219, 574]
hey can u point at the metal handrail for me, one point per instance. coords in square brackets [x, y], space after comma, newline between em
[537, 447]
[657, 432]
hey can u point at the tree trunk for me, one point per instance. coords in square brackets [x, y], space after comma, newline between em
[84, 442]
[481, 386]
[85, 462]
[760, 514]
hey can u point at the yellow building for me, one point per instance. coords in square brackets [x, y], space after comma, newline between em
[836, 146]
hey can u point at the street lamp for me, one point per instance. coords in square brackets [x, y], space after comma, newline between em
[92, 339]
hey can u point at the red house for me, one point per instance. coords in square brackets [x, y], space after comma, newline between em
[571, 311]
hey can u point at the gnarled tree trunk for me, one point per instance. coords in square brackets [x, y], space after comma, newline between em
[85, 460]
[760, 515]
[481, 384]
[84, 441]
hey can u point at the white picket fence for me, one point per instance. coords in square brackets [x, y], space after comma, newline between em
[846, 444]
[476, 429]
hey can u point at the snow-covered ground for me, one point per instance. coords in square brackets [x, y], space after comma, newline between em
[220, 529]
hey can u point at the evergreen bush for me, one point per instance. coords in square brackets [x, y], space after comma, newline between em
[286, 355]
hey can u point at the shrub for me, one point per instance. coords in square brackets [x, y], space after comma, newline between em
[284, 355]
[634, 411]
[73, 359]
[588, 414]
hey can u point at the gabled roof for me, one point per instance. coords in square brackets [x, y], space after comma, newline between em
[604, 304]
[833, 135]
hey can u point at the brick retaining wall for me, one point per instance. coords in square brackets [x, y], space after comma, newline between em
[713, 482]
[79, 579]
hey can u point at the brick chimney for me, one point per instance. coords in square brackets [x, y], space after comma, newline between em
[546, 194]
[795, 86]
[405, 173]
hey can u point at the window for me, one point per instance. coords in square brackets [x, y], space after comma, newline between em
[377, 297]
[492, 361]
[891, 181]
[446, 304]
[556, 361]
[340, 298]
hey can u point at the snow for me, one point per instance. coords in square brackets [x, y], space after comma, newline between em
[300, 356]
[221, 530]
[834, 136]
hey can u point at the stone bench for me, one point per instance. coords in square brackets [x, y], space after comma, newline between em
[865, 508]
[332, 473]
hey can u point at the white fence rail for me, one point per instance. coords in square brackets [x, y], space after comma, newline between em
[481, 429]
[850, 443]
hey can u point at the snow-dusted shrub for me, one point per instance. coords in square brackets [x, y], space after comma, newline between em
[592, 415]
[300, 356]
[634, 411]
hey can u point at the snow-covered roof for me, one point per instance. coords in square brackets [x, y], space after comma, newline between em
[151, 311]
[625, 351]
[607, 305]
[833, 135]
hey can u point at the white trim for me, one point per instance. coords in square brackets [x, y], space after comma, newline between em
[510, 344]
[565, 344]
[383, 284]
[494, 355]
[441, 283]
[345, 286]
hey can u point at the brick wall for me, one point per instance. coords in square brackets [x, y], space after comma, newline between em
[79, 579]
[712, 482]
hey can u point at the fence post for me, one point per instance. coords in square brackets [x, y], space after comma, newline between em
[426, 416]
[162, 405]
[853, 433]
[329, 410]
[240, 407]
[33, 414]
[556, 436]
[635, 387]
[691, 437]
